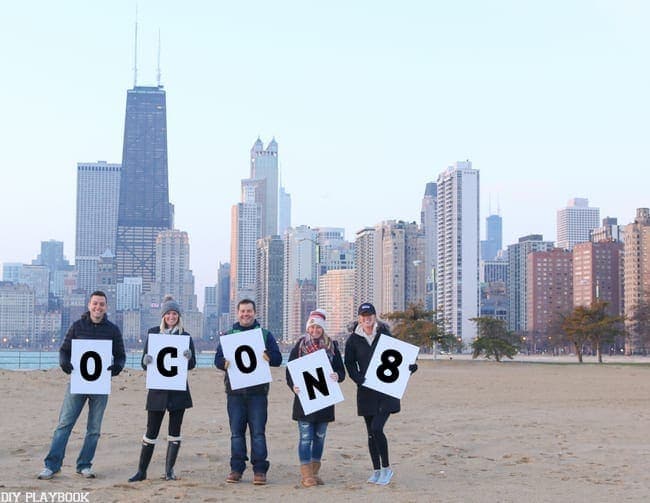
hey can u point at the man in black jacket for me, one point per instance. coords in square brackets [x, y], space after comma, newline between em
[92, 325]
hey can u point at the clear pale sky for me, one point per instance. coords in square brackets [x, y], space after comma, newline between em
[368, 101]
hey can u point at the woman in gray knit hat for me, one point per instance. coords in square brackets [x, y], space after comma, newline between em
[160, 400]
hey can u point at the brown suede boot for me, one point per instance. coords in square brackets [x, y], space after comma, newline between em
[315, 467]
[307, 475]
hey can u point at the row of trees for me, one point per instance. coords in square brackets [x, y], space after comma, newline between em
[581, 327]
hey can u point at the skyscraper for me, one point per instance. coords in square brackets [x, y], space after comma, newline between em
[98, 192]
[636, 273]
[428, 222]
[458, 249]
[518, 278]
[173, 273]
[264, 166]
[493, 237]
[367, 270]
[270, 283]
[284, 215]
[300, 279]
[575, 222]
[144, 208]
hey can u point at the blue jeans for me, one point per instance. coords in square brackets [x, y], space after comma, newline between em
[70, 410]
[311, 442]
[248, 410]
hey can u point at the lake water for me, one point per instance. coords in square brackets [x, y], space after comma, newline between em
[33, 360]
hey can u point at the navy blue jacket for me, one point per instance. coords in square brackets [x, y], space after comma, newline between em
[85, 328]
[271, 349]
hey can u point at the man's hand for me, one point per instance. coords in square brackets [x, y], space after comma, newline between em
[147, 360]
[187, 354]
[226, 364]
[266, 356]
[66, 367]
[413, 367]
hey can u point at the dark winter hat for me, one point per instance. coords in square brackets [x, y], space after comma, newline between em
[169, 304]
[366, 308]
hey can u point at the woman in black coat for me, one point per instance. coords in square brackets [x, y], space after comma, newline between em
[160, 400]
[312, 428]
[374, 406]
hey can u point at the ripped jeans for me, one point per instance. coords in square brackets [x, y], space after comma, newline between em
[311, 442]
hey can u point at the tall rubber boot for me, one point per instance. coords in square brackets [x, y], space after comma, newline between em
[172, 453]
[145, 457]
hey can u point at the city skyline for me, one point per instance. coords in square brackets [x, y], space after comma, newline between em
[548, 102]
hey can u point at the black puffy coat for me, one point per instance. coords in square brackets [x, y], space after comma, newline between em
[357, 358]
[325, 415]
[161, 399]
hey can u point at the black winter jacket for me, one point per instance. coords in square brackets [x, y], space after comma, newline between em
[271, 348]
[325, 415]
[163, 399]
[85, 328]
[357, 358]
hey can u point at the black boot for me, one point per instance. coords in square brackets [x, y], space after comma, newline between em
[172, 454]
[145, 457]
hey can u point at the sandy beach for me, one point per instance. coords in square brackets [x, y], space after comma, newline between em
[469, 431]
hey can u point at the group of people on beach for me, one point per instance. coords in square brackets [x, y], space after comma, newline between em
[247, 407]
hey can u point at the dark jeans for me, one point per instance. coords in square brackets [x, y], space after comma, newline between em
[377, 441]
[248, 410]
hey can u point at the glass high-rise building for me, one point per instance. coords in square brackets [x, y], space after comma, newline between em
[493, 242]
[98, 192]
[144, 208]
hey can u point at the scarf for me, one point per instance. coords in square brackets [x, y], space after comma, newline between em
[309, 345]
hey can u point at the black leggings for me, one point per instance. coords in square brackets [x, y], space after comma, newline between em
[154, 420]
[377, 442]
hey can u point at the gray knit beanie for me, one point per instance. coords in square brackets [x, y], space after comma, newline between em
[169, 304]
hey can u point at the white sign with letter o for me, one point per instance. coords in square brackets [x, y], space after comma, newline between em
[244, 351]
[90, 359]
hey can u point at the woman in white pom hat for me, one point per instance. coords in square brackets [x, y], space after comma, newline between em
[313, 427]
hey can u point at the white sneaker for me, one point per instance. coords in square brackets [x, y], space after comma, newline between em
[46, 474]
[385, 476]
[374, 477]
[87, 473]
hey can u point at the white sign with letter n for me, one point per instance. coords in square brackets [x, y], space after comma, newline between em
[311, 373]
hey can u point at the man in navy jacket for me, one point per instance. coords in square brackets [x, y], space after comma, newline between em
[248, 406]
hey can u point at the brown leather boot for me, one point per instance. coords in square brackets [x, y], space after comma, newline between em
[315, 467]
[307, 475]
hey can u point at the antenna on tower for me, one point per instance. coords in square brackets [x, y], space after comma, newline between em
[158, 72]
[489, 204]
[135, 50]
[498, 206]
